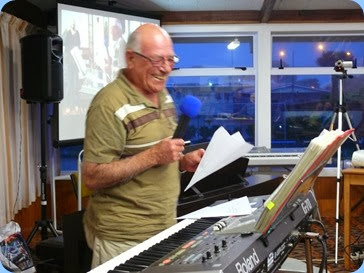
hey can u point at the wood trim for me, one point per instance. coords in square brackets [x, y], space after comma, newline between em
[319, 16]
[267, 15]
[208, 17]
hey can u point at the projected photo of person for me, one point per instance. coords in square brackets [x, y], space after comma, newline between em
[117, 54]
[99, 61]
[74, 68]
[93, 54]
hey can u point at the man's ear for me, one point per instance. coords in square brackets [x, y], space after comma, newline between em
[129, 58]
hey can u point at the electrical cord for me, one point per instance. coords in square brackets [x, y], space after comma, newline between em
[309, 236]
[315, 221]
[322, 239]
[350, 246]
[19, 158]
[323, 264]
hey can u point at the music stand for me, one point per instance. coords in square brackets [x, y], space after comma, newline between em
[305, 185]
[338, 114]
[44, 224]
[297, 189]
[301, 178]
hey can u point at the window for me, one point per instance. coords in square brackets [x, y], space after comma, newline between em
[317, 51]
[212, 52]
[226, 90]
[279, 88]
[69, 157]
[303, 104]
[227, 101]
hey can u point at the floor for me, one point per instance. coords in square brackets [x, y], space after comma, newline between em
[357, 237]
[297, 257]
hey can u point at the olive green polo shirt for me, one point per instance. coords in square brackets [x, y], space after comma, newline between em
[122, 122]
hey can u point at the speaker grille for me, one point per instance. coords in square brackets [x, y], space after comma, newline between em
[42, 68]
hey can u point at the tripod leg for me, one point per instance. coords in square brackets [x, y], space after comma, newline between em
[43, 225]
[53, 230]
[355, 140]
[333, 121]
[32, 233]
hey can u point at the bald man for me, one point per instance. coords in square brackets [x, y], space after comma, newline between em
[130, 161]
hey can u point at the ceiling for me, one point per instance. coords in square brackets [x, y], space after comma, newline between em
[212, 5]
[219, 11]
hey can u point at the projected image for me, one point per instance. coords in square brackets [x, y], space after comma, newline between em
[93, 52]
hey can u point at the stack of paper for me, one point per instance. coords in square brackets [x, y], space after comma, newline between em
[239, 206]
[221, 151]
[319, 151]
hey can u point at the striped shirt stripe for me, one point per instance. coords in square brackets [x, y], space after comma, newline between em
[168, 99]
[143, 145]
[122, 112]
[133, 124]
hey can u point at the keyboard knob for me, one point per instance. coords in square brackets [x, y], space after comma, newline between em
[217, 250]
[223, 244]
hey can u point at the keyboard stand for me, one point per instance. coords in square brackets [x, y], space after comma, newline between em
[308, 253]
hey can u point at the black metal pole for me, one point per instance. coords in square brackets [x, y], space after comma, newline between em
[44, 224]
[43, 170]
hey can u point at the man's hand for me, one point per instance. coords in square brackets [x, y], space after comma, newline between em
[168, 151]
[190, 161]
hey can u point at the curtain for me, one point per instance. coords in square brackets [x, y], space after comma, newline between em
[19, 126]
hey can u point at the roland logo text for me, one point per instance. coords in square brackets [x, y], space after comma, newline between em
[247, 264]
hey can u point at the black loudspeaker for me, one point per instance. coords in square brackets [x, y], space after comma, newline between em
[42, 68]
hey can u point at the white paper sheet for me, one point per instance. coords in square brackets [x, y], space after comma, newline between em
[221, 151]
[236, 207]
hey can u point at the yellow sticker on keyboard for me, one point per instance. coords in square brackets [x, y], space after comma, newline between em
[270, 205]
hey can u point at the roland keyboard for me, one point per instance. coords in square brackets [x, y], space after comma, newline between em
[273, 159]
[123, 257]
[263, 156]
[201, 246]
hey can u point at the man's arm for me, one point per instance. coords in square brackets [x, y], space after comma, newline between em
[99, 176]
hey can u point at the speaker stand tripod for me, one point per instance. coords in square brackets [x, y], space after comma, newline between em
[43, 224]
[338, 114]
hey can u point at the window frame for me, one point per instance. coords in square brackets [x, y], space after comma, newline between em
[262, 59]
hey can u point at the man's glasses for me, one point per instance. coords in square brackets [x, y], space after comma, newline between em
[159, 60]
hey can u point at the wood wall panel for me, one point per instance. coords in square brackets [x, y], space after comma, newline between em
[325, 190]
[246, 17]
[66, 200]
[27, 216]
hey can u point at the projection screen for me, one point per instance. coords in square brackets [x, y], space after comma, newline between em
[93, 45]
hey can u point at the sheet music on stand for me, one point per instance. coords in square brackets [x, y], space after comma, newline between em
[302, 177]
[222, 150]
